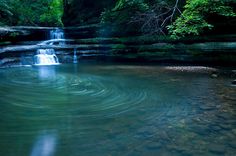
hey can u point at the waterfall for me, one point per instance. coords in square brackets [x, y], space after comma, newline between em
[75, 60]
[57, 34]
[46, 57]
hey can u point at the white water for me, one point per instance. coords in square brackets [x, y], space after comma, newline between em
[48, 56]
[57, 34]
[75, 60]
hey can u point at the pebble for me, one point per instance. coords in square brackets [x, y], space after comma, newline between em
[190, 68]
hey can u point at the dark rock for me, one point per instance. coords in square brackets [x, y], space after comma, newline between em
[9, 61]
[217, 149]
[233, 144]
[19, 33]
[154, 145]
[214, 74]
[225, 126]
[9, 31]
[206, 107]
[234, 82]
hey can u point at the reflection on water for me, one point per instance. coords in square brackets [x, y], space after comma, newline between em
[45, 145]
[46, 72]
[116, 110]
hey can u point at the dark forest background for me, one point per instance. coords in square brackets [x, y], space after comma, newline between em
[175, 18]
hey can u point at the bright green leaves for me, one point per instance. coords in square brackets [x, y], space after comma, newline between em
[188, 23]
[53, 14]
[194, 18]
[28, 12]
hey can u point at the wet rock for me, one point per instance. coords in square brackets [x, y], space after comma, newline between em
[10, 62]
[214, 75]
[224, 116]
[216, 128]
[206, 107]
[234, 82]
[234, 131]
[226, 126]
[233, 144]
[217, 149]
[200, 130]
[4, 31]
[154, 146]
[228, 134]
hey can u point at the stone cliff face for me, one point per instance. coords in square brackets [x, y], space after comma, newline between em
[78, 12]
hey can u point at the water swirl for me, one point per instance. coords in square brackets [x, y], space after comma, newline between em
[116, 110]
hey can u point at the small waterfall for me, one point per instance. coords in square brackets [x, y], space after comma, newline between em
[57, 34]
[46, 57]
[75, 60]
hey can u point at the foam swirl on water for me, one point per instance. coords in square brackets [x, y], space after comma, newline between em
[115, 109]
[84, 91]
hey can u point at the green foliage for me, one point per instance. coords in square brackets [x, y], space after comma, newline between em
[194, 18]
[52, 16]
[123, 11]
[28, 12]
[119, 46]
[14, 34]
[5, 12]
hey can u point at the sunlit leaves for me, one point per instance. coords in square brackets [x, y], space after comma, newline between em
[29, 12]
[52, 15]
[194, 18]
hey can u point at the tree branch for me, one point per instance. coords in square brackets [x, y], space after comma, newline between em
[155, 20]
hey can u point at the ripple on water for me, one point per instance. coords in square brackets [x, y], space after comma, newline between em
[119, 109]
[83, 92]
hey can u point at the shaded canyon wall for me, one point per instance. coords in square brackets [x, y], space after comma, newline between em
[80, 12]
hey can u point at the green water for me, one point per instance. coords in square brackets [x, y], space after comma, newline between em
[83, 110]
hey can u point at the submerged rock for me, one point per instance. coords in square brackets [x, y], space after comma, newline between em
[217, 149]
[214, 75]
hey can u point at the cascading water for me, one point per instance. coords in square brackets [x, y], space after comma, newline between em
[57, 34]
[75, 60]
[48, 56]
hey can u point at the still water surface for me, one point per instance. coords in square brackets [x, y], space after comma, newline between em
[83, 110]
